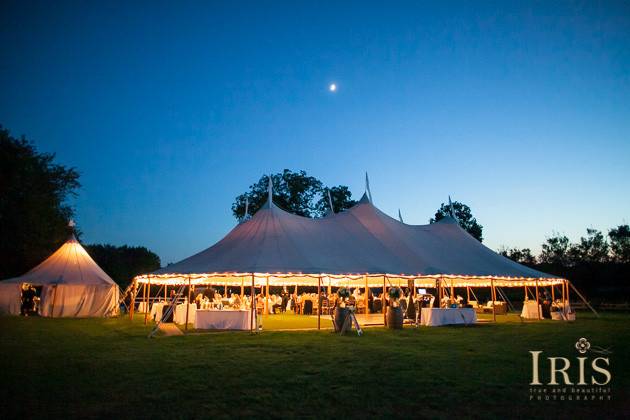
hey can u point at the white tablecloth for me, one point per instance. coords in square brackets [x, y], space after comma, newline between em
[156, 311]
[141, 307]
[435, 316]
[180, 313]
[223, 320]
[530, 310]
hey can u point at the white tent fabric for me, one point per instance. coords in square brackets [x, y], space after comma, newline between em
[10, 298]
[73, 285]
[361, 240]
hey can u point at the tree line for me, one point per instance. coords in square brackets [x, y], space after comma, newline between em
[598, 263]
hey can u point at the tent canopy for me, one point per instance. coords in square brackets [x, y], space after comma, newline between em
[73, 285]
[362, 241]
[70, 264]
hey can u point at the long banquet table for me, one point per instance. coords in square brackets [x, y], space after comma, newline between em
[212, 319]
[433, 317]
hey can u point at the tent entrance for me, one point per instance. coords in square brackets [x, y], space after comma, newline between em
[30, 299]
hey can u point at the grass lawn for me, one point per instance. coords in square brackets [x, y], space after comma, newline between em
[108, 368]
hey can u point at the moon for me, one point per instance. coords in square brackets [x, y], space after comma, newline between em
[332, 87]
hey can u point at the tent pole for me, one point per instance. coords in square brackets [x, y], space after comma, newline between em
[537, 304]
[225, 289]
[267, 297]
[366, 298]
[253, 306]
[553, 294]
[146, 305]
[242, 287]
[525, 288]
[384, 310]
[582, 297]
[165, 292]
[452, 292]
[319, 301]
[187, 306]
[467, 294]
[133, 299]
[564, 302]
[146, 302]
[493, 296]
[437, 291]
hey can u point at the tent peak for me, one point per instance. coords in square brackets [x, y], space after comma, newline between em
[367, 187]
[364, 199]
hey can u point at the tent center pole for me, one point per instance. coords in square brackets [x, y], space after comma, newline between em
[319, 301]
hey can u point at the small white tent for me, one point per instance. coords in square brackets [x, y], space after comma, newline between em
[73, 285]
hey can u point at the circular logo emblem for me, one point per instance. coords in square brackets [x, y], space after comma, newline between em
[582, 345]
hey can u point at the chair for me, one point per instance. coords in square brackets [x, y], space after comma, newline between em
[308, 307]
[378, 305]
[325, 306]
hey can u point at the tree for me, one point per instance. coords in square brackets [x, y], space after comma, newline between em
[620, 243]
[464, 217]
[555, 251]
[295, 192]
[123, 263]
[341, 198]
[34, 213]
[521, 256]
[592, 249]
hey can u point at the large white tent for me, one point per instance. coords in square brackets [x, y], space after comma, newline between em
[73, 285]
[359, 245]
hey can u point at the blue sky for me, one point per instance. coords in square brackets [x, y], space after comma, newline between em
[171, 109]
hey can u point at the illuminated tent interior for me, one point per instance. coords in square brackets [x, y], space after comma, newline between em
[361, 246]
[73, 285]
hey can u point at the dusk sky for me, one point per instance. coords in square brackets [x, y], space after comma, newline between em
[169, 110]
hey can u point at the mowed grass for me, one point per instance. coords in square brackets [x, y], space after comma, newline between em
[54, 368]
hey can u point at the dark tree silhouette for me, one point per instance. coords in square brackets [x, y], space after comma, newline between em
[522, 256]
[555, 251]
[295, 192]
[123, 263]
[620, 244]
[464, 216]
[34, 213]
